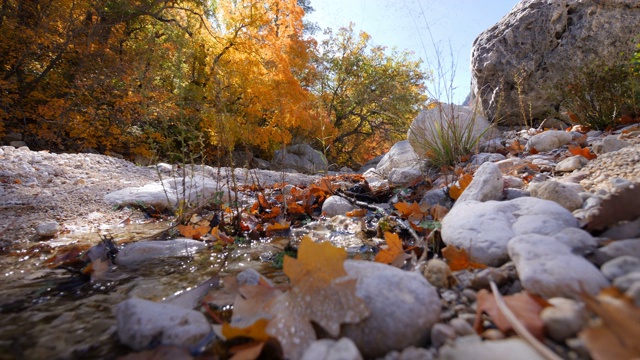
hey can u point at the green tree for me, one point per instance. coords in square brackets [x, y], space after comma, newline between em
[366, 97]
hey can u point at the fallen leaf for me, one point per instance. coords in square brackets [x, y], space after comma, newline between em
[193, 232]
[294, 208]
[457, 189]
[458, 259]
[438, 212]
[616, 336]
[320, 293]
[406, 209]
[526, 307]
[586, 152]
[533, 151]
[256, 331]
[393, 250]
[357, 213]
[277, 227]
[221, 236]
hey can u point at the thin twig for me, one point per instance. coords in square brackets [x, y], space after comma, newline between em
[519, 328]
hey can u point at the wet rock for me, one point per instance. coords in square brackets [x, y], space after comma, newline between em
[486, 185]
[561, 193]
[548, 140]
[142, 323]
[548, 268]
[472, 347]
[571, 163]
[327, 349]
[400, 155]
[620, 266]
[47, 229]
[169, 193]
[484, 229]
[400, 316]
[404, 176]
[336, 205]
[147, 250]
[564, 319]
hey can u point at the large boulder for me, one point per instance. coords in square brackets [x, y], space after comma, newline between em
[300, 157]
[533, 48]
[448, 118]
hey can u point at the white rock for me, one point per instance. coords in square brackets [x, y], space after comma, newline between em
[143, 322]
[564, 319]
[579, 241]
[487, 184]
[561, 193]
[624, 282]
[548, 268]
[400, 316]
[548, 140]
[619, 248]
[510, 165]
[169, 193]
[571, 163]
[482, 158]
[336, 205]
[484, 229]
[441, 333]
[148, 250]
[404, 176]
[513, 182]
[47, 229]
[472, 347]
[610, 143]
[400, 155]
[620, 266]
[328, 349]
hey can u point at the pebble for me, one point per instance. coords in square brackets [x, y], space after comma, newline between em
[614, 249]
[336, 205]
[561, 193]
[47, 229]
[462, 327]
[328, 349]
[510, 165]
[410, 353]
[563, 319]
[571, 163]
[439, 274]
[548, 140]
[624, 282]
[482, 158]
[620, 266]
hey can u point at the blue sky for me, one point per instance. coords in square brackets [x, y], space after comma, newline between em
[404, 24]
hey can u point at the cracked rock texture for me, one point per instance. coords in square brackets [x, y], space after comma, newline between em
[539, 41]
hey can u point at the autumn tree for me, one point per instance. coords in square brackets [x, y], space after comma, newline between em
[366, 96]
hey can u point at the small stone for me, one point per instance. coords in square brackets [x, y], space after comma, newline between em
[563, 320]
[470, 294]
[437, 197]
[513, 182]
[492, 334]
[482, 158]
[509, 165]
[624, 282]
[404, 176]
[462, 327]
[559, 192]
[328, 349]
[620, 266]
[571, 163]
[439, 274]
[410, 353]
[548, 140]
[47, 229]
[440, 333]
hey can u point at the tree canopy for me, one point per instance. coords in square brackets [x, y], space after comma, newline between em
[142, 76]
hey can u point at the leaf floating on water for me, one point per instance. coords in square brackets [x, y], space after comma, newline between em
[193, 232]
[458, 259]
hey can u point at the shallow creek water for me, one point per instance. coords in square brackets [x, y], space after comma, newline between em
[50, 313]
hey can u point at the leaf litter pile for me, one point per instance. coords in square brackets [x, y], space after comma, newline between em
[280, 321]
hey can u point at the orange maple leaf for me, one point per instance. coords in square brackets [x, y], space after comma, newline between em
[407, 209]
[221, 236]
[357, 213]
[393, 250]
[458, 259]
[193, 231]
[457, 189]
[586, 152]
[256, 331]
[277, 227]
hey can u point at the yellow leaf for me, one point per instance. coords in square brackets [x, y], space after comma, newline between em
[256, 331]
[193, 232]
[407, 209]
[394, 248]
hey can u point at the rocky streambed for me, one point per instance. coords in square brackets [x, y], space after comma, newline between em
[522, 215]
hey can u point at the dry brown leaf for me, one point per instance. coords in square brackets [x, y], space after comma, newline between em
[457, 189]
[616, 337]
[577, 150]
[193, 231]
[438, 212]
[221, 236]
[621, 206]
[458, 259]
[526, 308]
